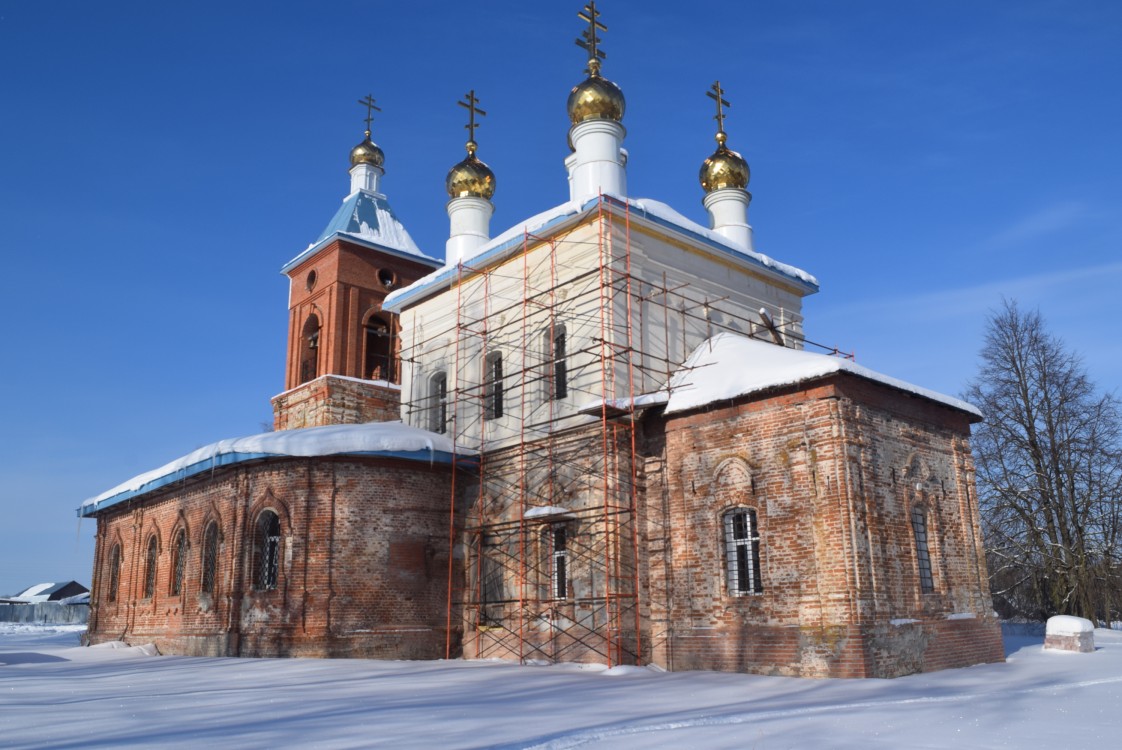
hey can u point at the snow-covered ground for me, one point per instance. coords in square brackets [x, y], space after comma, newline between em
[54, 694]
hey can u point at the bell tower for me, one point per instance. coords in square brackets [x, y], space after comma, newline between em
[343, 351]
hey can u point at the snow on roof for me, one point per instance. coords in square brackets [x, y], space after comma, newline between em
[729, 365]
[1068, 625]
[366, 216]
[652, 210]
[374, 438]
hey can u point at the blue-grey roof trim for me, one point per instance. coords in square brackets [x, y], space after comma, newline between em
[356, 240]
[230, 459]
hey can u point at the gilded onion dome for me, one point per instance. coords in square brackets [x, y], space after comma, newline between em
[596, 98]
[724, 169]
[470, 178]
[367, 152]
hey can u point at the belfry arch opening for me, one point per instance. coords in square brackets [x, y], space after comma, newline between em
[309, 349]
[379, 348]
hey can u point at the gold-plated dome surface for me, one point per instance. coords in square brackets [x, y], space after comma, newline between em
[724, 169]
[367, 152]
[596, 99]
[470, 178]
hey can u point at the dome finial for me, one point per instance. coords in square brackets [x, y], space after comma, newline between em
[725, 168]
[368, 152]
[471, 177]
[596, 98]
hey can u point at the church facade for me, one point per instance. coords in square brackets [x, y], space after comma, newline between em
[599, 436]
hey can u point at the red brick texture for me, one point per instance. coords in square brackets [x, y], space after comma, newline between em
[331, 399]
[833, 471]
[363, 562]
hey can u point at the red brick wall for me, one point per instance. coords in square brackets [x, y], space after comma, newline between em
[336, 400]
[832, 470]
[363, 562]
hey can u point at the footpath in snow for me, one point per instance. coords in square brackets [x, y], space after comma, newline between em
[54, 694]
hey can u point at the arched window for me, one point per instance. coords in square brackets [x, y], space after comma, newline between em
[178, 561]
[150, 567]
[555, 349]
[438, 402]
[923, 555]
[266, 551]
[114, 572]
[380, 346]
[742, 552]
[210, 557]
[309, 349]
[493, 386]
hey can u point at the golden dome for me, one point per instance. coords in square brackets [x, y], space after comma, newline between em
[470, 178]
[596, 99]
[724, 169]
[367, 152]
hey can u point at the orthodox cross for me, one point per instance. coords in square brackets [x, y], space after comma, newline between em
[368, 102]
[589, 40]
[717, 94]
[469, 102]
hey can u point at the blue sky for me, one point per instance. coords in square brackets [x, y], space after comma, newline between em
[160, 162]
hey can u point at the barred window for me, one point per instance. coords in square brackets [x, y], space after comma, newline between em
[923, 555]
[557, 543]
[210, 557]
[557, 368]
[150, 568]
[493, 390]
[178, 561]
[114, 572]
[438, 402]
[742, 552]
[266, 549]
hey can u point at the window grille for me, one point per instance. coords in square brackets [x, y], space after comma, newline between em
[150, 569]
[179, 557]
[560, 367]
[210, 557]
[493, 393]
[559, 583]
[923, 556]
[267, 547]
[114, 572]
[742, 552]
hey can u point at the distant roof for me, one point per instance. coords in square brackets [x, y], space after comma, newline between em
[388, 439]
[46, 592]
[730, 365]
[567, 213]
[368, 218]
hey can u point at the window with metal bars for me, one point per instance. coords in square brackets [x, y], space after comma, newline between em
[557, 542]
[923, 555]
[178, 561]
[266, 549]
[493, 390]
[438, 402]
[210, 557]
[742, 552]
[557, 367]
[150, 568]
[114, 572]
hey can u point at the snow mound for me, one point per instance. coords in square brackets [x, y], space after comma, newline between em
[1068, 625]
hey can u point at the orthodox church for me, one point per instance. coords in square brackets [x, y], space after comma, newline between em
[598, 436]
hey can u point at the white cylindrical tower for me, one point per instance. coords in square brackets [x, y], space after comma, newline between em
[598, 162]
[724, 177]
[366, 166]
[470, 185]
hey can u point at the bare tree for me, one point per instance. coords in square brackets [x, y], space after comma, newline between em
[1049, 460]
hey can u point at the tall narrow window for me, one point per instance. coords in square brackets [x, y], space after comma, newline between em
[559, 554]
[266, 549]
[309, 349]
[210, 557]
[923, 556]
[150, 568]
[493, 390]
[742, 552]
[557, 367]
[114, 572]
[178, 561]
[380, 347]
[438, 402]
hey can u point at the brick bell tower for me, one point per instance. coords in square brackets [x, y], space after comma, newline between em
[343, 351]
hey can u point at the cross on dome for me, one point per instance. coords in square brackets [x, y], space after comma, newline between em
[469, 103]
[589, 41]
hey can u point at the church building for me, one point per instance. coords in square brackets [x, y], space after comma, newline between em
[599, 436]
